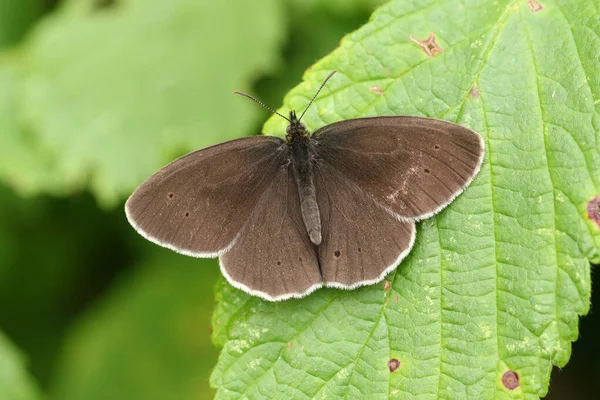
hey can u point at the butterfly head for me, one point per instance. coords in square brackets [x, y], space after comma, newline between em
[296, 129]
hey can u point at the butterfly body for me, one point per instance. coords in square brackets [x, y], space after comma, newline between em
[302, 161]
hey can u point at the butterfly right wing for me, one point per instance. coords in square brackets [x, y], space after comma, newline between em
[411, 166]
[198, 204]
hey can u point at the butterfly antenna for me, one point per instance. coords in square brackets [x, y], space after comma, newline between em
[261, 103]
[316, 94]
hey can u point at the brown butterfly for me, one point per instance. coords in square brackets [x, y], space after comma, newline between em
[287, 216]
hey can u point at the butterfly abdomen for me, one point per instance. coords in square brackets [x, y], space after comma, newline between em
[304, 177]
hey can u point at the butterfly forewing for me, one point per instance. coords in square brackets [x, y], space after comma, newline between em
[361, 240]
[273, 257]
[412, 166]
[198, 204]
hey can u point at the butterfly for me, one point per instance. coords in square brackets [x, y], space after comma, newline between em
[335, 208]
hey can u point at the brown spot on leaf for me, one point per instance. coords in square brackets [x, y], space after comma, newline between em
[510, 380]
[375, 89]
[289, 345]
[387, 285]
[393, 364]
[475, 92]
[428, 45]
[593, 209]
[534, 5]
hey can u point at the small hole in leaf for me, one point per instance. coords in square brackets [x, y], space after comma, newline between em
[534, 6]
[428, 45]
[300, 259]
[187, 214]
[510, 380]
[437, 147]
[426, 170]
[337, 253]
[359, 250]
[393, 364]
[278, 262]
[593, 210]
[171, 195]
[376, 89]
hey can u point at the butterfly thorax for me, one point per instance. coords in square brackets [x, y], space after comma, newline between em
[298, 140]
[296, 129]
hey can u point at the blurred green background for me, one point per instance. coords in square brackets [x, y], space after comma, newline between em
[95, 95]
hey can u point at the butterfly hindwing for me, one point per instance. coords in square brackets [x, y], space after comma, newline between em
[361, 240]
[273, 256]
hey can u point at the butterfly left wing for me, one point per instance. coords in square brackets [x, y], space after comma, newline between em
[273, 257]
[411, 166]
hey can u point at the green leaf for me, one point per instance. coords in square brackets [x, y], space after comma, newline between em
[113, 93]
[24, 164]
[314, 31]
[147, 339]
[15, 383]
[16, 16]
[496, 282]
[55, 255]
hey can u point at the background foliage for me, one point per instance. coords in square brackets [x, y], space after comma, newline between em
[97, 94]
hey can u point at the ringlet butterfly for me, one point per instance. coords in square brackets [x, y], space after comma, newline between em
[287, 216]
